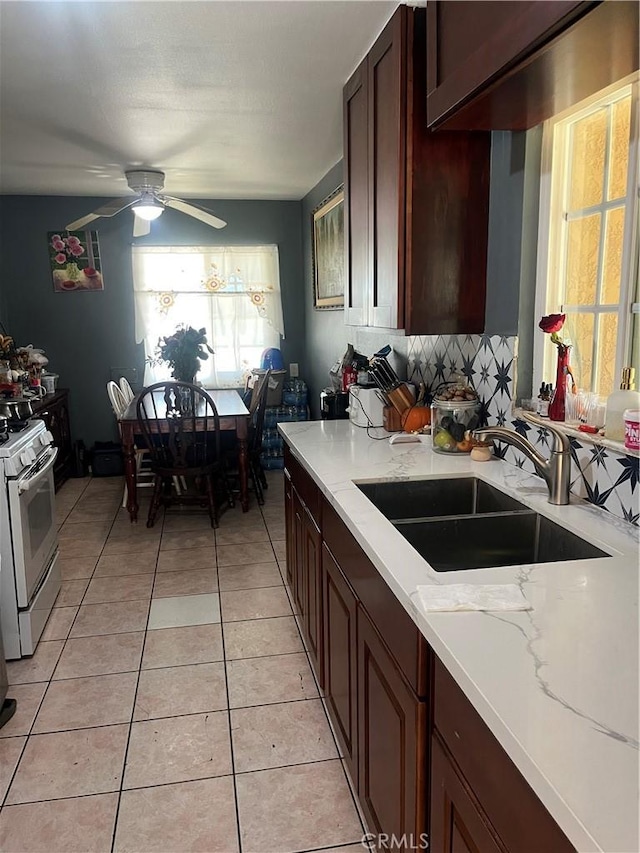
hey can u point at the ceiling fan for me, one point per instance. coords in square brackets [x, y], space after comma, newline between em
[149, 204]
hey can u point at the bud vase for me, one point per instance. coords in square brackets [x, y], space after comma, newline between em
[557, 405]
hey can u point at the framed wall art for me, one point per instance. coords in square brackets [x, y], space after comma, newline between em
[328, 252]
[74, 258]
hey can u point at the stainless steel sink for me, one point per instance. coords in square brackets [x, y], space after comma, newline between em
[466, 524]
[485, 541]
[431, 498]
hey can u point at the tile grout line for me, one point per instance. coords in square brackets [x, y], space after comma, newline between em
[133, 706]
[231, 749]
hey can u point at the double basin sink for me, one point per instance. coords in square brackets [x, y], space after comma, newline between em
[465, 523]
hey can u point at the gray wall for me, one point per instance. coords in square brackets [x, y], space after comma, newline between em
[326, 334]
[86, 335]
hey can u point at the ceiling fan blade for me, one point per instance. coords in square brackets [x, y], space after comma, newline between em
[108, 209]
[141, 227]
[115, 206]
[195, 210]
[78, 224]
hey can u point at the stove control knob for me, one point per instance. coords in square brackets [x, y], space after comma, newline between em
[27, 456]
[10, 467]
[47, 437]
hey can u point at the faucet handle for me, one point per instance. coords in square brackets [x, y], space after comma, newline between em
[560, 439]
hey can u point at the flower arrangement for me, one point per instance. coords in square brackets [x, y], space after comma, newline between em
[551, 324]
[67, 248]
[183, 351]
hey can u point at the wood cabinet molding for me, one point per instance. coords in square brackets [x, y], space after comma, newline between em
[511, 65]
[340, 671]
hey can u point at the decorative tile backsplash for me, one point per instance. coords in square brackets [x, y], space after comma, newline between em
[605, 477]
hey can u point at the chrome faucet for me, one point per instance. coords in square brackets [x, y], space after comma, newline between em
[555, 471]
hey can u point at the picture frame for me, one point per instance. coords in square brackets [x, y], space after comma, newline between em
[74, 261]
[328, 252]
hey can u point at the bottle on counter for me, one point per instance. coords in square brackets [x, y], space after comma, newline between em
[545, 399]
[626, 398]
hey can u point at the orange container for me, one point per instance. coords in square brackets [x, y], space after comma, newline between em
[415, 418]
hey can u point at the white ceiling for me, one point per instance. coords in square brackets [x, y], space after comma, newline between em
[231, 99]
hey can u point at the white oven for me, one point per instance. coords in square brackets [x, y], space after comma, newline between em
[33, 523]
[30, 576]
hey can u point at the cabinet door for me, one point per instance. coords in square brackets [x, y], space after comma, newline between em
[339, 642]
[392, 741]
[311, 567]
[387, 124]
[356, 198]
[458, 825]
[299, 574]
[289, 521]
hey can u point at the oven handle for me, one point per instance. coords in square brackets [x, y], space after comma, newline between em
[37, 471]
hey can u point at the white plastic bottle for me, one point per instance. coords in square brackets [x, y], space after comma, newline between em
[626, 398]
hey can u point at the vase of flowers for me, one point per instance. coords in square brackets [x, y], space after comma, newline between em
[552, 324]
[183, 351]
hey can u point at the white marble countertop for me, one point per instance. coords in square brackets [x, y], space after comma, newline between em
[558, 684]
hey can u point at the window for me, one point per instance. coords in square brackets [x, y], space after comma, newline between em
[234, 292]
[587, 266]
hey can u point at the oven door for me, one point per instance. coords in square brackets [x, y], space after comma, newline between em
[33, 524]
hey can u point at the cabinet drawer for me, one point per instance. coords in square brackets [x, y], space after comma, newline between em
[402, 637]
[516, 813]
[304, 485]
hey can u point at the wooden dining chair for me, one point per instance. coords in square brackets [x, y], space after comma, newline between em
[256, 472]
[180, 427]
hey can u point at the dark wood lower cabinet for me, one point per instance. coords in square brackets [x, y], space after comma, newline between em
[340, 672]
[288, 515]
[457, 823]
[312, 570]
[392, 742]
[300, 579]
[428, 772]
[54, 411]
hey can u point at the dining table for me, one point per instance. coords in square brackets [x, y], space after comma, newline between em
[233, 415]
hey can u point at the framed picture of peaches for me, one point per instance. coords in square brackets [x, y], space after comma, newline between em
[74, 257]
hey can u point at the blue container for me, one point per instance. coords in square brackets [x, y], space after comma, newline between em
[271, 359]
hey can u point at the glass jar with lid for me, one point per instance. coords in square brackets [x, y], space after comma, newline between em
[455, 412]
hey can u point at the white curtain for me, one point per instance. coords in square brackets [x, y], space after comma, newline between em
[234, 292]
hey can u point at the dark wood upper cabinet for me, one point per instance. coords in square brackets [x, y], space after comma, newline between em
[416, 202]
[510, 65]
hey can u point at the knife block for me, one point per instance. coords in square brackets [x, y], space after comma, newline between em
[391, 419]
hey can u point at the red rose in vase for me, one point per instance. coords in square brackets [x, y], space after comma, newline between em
[552, 323]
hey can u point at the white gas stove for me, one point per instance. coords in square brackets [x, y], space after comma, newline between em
[30, 575]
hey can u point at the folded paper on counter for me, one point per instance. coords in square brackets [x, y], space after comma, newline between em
[466, 596]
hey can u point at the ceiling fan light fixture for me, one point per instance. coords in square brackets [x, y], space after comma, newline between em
[148, 208]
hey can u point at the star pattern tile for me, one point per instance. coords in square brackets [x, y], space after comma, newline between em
[603, 476]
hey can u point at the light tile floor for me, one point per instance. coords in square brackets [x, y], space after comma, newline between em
[170, 705]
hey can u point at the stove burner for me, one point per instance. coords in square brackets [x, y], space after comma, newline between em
[4, 436]
[15, 425]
